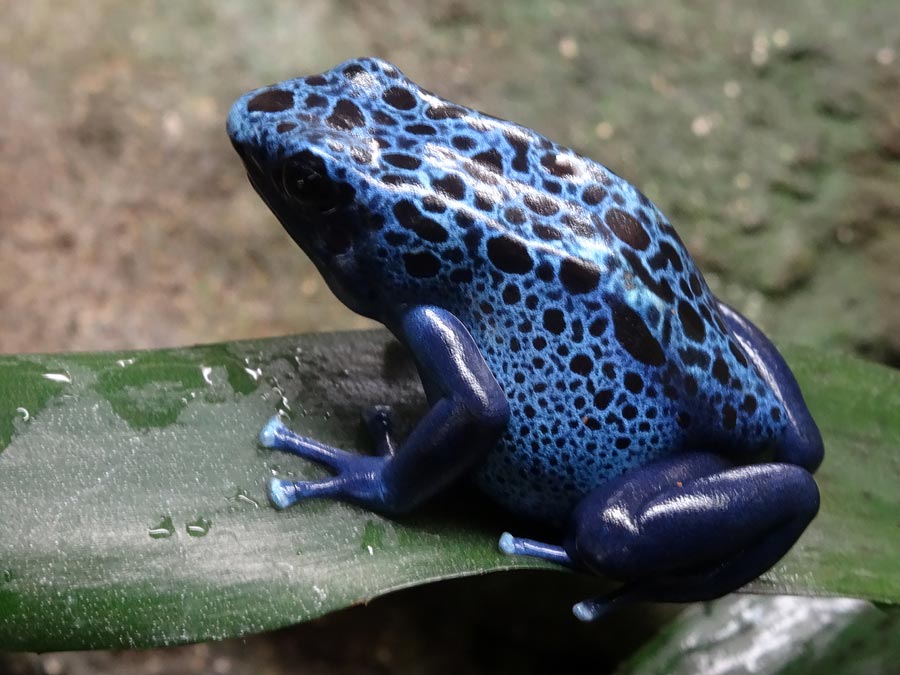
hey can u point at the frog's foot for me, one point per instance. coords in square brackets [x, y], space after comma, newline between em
[586, 610]
[357, 476]
[380, 425]
[689, 528]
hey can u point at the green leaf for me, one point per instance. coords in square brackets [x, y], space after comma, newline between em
[134, 513]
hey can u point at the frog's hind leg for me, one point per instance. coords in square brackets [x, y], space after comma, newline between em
[469, 411]
[689, 528]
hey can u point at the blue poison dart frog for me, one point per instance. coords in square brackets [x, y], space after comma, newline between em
[575, 362]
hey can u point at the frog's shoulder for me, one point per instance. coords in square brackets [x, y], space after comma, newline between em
[566, 205]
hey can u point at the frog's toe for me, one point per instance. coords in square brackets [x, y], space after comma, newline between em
[511, 545]
[587, 611]
[284, 492]
[268, 436]
[592, 609]
[277, 436]
[360, 483]
[281, 493]
[507, 544]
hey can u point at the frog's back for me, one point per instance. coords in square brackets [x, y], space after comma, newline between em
[583, 299]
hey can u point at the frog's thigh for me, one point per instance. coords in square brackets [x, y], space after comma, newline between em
[468, 410]
[694, 527]
[801, 442]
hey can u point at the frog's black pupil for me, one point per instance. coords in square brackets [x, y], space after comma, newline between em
[306, 180]
[309, 188]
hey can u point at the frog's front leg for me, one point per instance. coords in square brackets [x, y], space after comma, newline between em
[688, 528]
[468, 413]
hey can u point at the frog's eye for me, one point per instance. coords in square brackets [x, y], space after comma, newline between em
[305, 179]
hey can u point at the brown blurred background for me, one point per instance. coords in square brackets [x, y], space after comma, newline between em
[769, 135]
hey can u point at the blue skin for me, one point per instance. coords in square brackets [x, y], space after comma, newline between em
[575, 361]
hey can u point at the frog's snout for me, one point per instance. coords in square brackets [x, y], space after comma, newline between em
[252, 115]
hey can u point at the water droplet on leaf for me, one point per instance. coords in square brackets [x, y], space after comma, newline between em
[164, 530]
[373, 536]
[199, 527]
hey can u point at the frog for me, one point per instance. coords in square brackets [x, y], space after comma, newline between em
[576, 365]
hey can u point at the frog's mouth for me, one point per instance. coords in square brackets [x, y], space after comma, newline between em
[255, 172]
[266, 182]
[260, 183]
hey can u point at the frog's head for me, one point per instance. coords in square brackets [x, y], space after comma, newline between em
[311, 154]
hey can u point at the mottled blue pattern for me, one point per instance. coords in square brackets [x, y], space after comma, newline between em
[586, 305]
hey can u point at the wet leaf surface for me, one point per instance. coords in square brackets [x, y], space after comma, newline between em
[134, 512]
